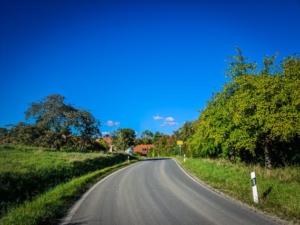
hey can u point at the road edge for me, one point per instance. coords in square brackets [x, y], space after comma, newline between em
[72, 210]
[252, 208]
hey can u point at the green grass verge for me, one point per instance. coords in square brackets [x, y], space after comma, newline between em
[52, 205]
[26, 172]
[278, 189]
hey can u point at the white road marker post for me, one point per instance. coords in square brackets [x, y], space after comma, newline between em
[184, 158]
[128, 159]
[254, 187]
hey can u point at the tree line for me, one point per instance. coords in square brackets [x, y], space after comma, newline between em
[62, 126]
[255, 118]
[56, 124]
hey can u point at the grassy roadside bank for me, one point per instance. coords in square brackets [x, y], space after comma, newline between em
[52, 205]
[278, 189]
[29, 175]
[26, 172]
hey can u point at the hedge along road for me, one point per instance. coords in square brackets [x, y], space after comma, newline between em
[157, 191]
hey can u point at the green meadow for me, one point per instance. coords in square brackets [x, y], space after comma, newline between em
[278, 189]
[28, 173]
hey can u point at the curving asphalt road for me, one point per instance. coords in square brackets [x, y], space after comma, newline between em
[157, 192]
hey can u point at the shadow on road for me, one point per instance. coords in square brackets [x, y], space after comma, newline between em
[150, 159]
[80, 221]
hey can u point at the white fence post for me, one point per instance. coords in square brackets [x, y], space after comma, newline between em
[254, 187]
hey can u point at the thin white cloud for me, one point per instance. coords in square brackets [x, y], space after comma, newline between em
[169, 121]
[169, 124]
[158, 118]
[111, 123]
[105, 133]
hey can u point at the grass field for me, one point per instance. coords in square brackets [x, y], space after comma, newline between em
[50, 206]
[278, 189]
[27, 172]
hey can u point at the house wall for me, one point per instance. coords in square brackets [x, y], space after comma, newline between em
[143, 149]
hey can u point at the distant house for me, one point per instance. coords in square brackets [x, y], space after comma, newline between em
[142, 149]
[129, 150]
[108, 140]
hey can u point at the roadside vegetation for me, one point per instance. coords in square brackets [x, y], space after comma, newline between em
[27, 172]
[251, 124]
[53, 123]
[50, 206]
[278, 190]
[254, 119]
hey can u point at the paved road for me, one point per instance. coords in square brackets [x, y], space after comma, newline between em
[157, 192]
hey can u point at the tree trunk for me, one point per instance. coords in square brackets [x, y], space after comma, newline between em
[268, 160]
[82, 146]
[232, 155]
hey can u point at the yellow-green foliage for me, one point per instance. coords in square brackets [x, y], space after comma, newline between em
[256, 116]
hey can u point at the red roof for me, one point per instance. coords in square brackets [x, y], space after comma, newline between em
[143, 148]
[108, 140]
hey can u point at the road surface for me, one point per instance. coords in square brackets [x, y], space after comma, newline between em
[154, 192]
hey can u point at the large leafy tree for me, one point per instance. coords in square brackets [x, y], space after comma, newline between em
[146, 137]
[256, 115]
[156, 136]
[265, 111]
[60, 119]
[86, 125]
[123, 138]
[52, 112]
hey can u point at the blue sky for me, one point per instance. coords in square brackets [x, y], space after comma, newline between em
[145, 65]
